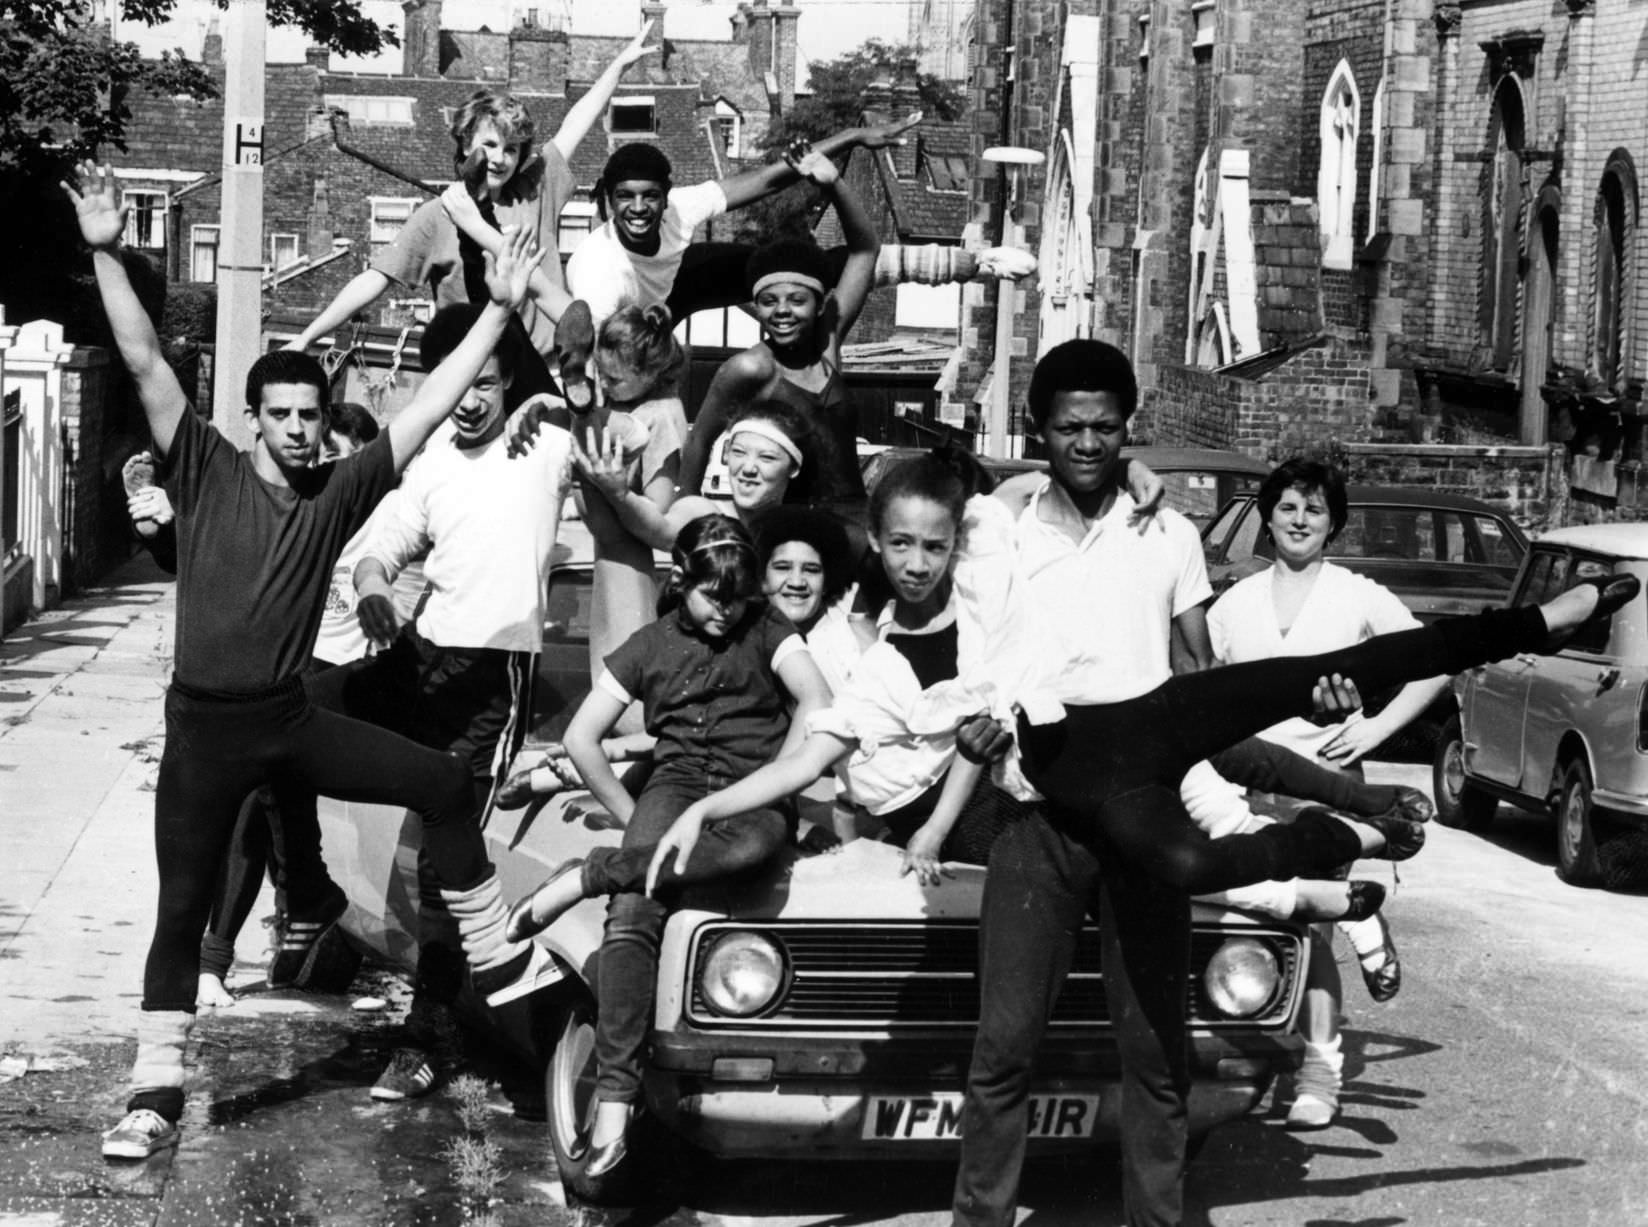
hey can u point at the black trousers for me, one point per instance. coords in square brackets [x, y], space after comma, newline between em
[1114, 820]
[219, 749]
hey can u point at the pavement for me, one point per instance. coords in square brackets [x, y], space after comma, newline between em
[279, 1127]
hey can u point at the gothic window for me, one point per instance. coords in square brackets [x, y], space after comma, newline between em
[1615, 223]
[1336, 177]
[1502, 223]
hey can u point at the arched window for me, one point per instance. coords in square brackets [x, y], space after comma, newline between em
[1616, 216]
[1502, 223]
[1378, 158]
[1336, 177]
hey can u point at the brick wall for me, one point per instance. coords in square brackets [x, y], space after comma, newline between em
[1529, 483]
[1288, 272]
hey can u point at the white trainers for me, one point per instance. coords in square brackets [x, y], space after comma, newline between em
[139, 1135]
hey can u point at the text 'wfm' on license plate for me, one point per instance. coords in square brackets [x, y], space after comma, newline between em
[927, 1118]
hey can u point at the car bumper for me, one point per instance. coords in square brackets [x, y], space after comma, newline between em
[1626, 804]
[852, 1113]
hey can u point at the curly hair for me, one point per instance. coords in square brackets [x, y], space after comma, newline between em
[1082, 366]
[643, 339]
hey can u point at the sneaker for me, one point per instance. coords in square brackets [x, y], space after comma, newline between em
[1316, 1098]
[300, 941]
[141, 1133]
[410, 1075]
[534, 968]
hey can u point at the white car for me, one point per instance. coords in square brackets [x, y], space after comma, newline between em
[826, 1011]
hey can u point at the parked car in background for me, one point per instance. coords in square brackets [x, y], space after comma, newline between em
[825, 1010]
[1441, 554]
[1565, 734]
[1199, 480]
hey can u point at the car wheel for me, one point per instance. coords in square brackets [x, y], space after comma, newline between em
[569, 1089]
[1576, 852]
[1458, 803]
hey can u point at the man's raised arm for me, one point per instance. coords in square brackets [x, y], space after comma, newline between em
[102, 220]
[507, 276]
[748, 186]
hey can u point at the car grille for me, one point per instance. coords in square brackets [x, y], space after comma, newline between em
[922, 975]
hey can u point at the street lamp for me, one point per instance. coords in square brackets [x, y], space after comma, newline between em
[1014, 161]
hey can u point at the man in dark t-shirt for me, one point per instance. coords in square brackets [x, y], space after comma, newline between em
[258, 534]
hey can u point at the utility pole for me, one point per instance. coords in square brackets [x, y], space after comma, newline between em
[240, 241]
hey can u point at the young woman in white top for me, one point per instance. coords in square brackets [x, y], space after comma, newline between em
[1301, 606]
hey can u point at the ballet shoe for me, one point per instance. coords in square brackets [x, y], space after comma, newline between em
[1366, 898]
[1403, 836]
[527, 919]
[1385, 980]
[1613, 593]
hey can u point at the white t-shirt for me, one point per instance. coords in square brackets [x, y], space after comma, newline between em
[607, 275]
[340, 638]
[1104, 609]
[488, 522]
[1341, 610]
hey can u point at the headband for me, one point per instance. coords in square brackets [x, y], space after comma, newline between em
[787, 275]
[764, 428]
[736, 543]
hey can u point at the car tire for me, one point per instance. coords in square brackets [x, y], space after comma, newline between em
[1576, 852]
[569, 1087]
[1459, 804]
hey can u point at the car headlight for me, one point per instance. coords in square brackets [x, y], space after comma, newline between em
[741, 974]
[1242, 977]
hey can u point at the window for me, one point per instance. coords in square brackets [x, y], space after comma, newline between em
[146, 218]
[577, 220]
[728, 126]
[370, 109]
[203, 253]
[1615, 223]
[947, 171]
[389, 214]
[1336, 176]
[1502, 224]
[632, 115]
[283, 250]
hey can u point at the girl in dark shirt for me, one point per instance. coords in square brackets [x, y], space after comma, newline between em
[715, 676]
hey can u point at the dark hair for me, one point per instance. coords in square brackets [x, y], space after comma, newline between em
[787, 256]
[805, 486]
[644, 338]
[819, 529]
[451, 324]
[1303, 473]
[286, 366]
[946, 475]
[713, 552]
[636, 160]
[1082, 366]
[354, 422]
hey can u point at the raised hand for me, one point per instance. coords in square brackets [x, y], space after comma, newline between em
[807, 162]
[508, 274]
[888, 134]
[601, 462]
[97, 205]
[638, 47]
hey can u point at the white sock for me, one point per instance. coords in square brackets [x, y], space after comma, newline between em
[1329, 1054]
[1367, 938]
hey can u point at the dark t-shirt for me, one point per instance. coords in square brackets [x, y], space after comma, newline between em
[254, 560]
[714, 704]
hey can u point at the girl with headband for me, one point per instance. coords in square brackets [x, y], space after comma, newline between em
[798, 359]
[715, 676]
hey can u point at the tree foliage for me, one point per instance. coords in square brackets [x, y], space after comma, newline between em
[839, 86]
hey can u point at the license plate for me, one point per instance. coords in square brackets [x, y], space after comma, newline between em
[929, 1118]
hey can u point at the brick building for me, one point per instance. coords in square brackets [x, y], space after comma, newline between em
[348, 156]
[1367, 221]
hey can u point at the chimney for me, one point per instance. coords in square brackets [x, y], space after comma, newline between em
[760, 19]
[211, 47]
[741, 23]
[786, 20]
[653, 11]
[539, 60]
[318, 58]
[421, 38]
